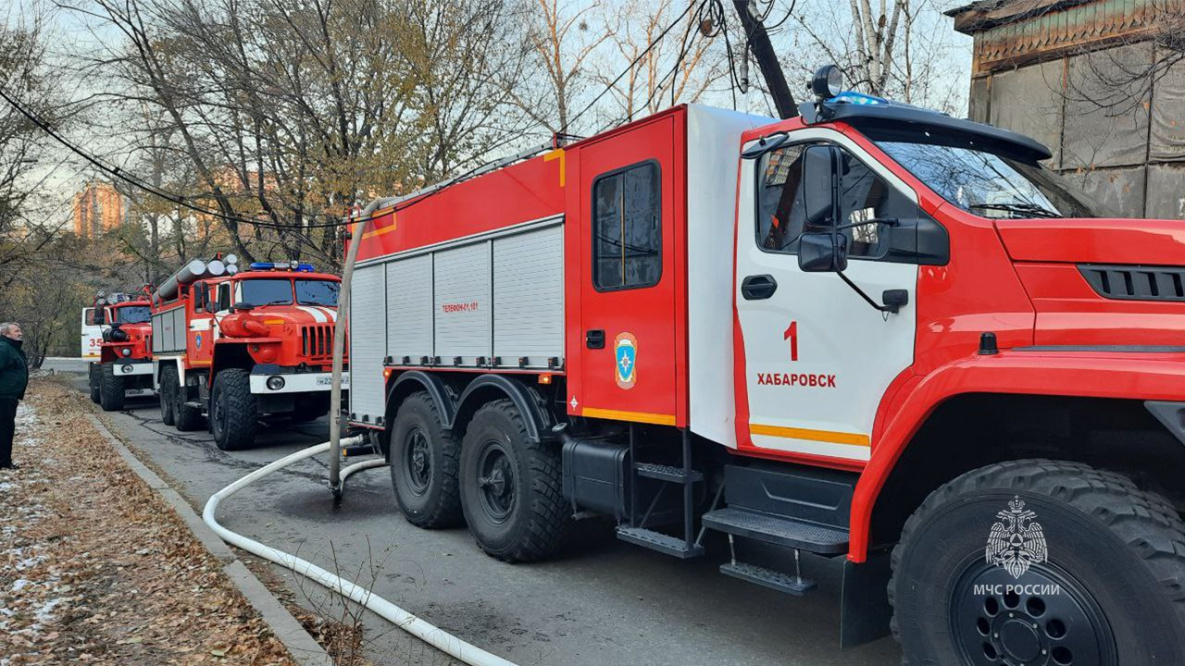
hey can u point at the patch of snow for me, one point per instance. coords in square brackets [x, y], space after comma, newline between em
[19, 584]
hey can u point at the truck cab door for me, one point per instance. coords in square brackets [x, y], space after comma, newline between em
[814, 358]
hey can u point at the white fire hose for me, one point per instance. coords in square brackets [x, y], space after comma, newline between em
[438, 638]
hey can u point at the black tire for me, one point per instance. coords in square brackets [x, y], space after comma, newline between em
[111, 389]
[511, 489]
[234, 416]
[168, 395]
[93, 382]
[186, 418]
[424, 464]
[1115, 553]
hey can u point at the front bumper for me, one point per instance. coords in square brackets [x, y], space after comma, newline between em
[122, 369]
[306, 382]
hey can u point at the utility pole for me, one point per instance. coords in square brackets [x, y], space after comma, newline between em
[758, 40]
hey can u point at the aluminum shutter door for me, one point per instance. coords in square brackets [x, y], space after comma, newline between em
[409, 308]
[464, 327]
[368, 342]
[529, 297]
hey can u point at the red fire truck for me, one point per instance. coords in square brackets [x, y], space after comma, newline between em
[124, 365]
[240, 346]
[872, 336]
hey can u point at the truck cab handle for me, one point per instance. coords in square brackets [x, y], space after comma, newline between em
[594, 338]
[758, 287]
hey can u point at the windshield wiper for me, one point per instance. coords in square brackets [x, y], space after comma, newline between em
[1031, 210]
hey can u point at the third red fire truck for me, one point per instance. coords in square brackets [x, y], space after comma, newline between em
[238, 346]
[873, 333]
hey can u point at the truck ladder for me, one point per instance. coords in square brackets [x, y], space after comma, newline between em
[685, 478]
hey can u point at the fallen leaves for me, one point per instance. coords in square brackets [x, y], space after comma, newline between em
[95, 568]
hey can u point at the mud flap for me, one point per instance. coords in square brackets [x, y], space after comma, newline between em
[865, 609]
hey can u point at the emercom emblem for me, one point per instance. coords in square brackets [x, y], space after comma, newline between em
[1017, 541]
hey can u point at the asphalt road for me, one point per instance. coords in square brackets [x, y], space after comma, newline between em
[603, 602]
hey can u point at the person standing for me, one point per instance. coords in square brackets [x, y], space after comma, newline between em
[14, 378]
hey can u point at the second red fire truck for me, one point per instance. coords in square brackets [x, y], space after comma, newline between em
[233, 347]
[124, 364]
[873, 333]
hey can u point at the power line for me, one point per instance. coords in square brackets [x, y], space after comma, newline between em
[168, 196]
[432, 191]
[629, 67]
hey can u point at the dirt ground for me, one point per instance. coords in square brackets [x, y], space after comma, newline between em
[95, 568]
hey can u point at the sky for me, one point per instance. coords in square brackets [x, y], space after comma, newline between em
[72, 34]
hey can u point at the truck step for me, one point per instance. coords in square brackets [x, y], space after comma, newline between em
[778, 531]
[667, 473]
[663, 543]
[774, 580]
[194, 404]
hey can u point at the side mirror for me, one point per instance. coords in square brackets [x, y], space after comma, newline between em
[100, 316]
[820, 193]
[822, 253]
[243, 306]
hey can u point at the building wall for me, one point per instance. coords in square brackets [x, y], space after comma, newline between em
[1118, 133]
[98, 209]
[1086, 78]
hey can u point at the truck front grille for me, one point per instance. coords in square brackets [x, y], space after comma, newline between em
[316, 341]
[1136, 283]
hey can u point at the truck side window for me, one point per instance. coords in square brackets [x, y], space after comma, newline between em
[224, 297]
[863, 196]
[627, 228]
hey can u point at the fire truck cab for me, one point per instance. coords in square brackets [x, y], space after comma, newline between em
[873, 337]
[123, 367]
[240, 346]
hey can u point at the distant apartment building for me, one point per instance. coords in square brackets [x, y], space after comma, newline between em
[98, 209]
[1095, 80]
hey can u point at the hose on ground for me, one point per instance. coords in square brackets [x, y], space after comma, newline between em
[438, 638]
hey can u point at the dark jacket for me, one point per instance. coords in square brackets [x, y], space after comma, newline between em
[14, 371]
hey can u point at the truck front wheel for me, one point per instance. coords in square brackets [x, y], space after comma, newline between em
[234, 416]
[93, 381]
[1080, 567]
[424, 462]
[111, 392]
[168, 394]
[511, 488]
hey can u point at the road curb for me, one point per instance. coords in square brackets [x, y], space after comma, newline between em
[303, 648]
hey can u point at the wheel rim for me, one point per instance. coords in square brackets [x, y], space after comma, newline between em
[417, 461]
[495, 482]
[1044, 618]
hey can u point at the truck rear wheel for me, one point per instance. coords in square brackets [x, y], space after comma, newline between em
[234, 416]
[168, 394]
[424, 463]
[1081, 567]
[186, 418]
[93, 381]
[511, 489]
[111, 391]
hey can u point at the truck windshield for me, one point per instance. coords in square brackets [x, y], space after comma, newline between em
[267, 292]
[991, 185]
[133, 314]
[316, 292]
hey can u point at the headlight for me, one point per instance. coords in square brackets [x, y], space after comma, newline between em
[127, 368]
[125, 351]
[275, 383]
